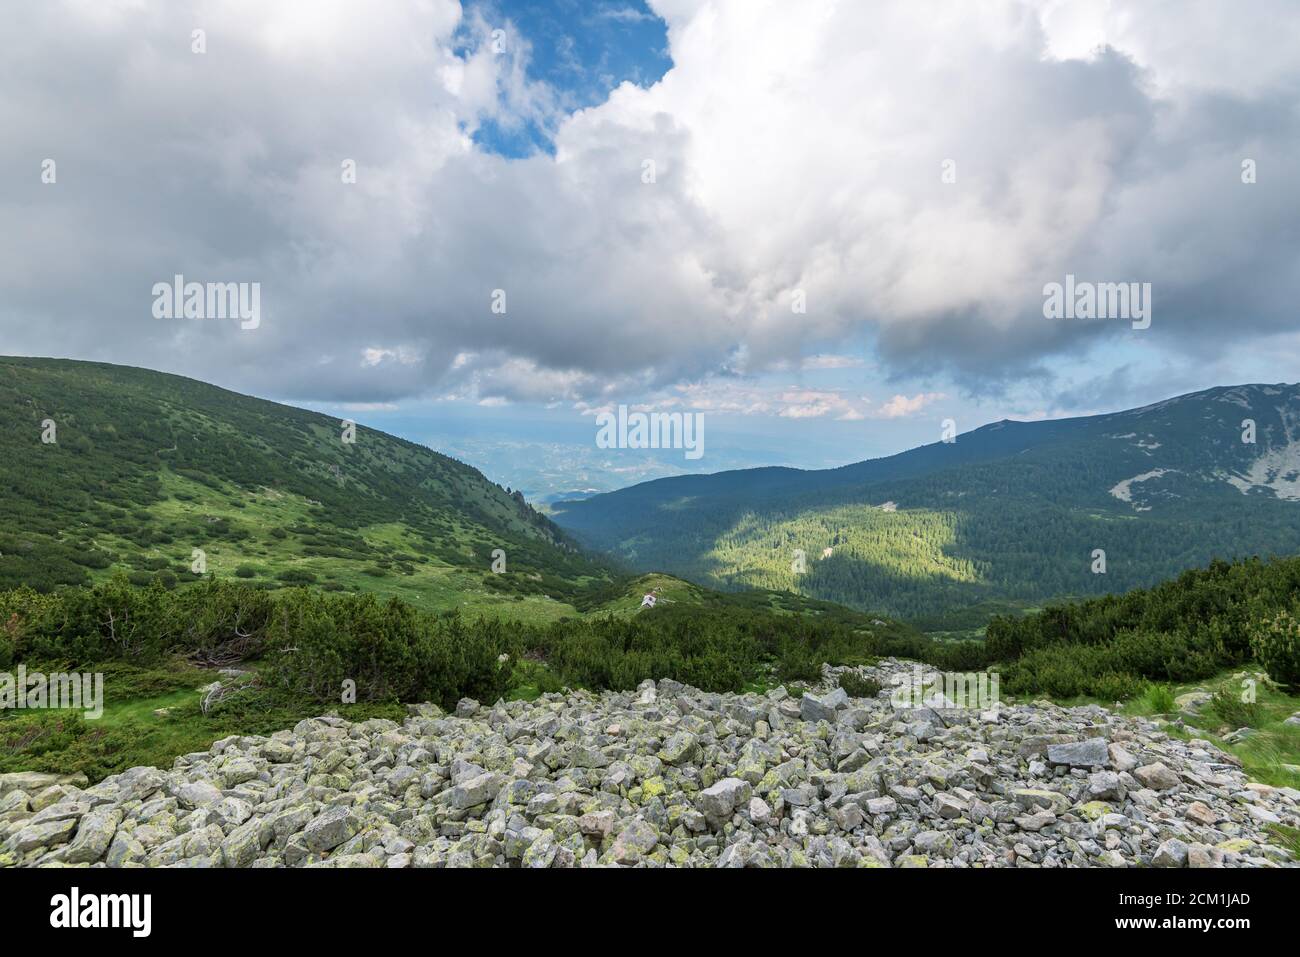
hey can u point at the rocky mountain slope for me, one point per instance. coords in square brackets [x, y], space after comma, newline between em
[1009, 511]
[671, 776]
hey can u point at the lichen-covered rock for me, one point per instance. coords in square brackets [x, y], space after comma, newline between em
[43, 835]
[94, 834]
[719, 801]
[331, 828]
[1091, 753]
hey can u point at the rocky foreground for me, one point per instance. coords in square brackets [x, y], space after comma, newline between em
[671, 776]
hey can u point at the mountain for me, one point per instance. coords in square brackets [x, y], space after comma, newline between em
[1012, 511]
[108, 468]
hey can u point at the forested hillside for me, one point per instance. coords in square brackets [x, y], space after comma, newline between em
[1011, 511]
[107, 468]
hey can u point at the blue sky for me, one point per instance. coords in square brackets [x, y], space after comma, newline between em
[580, 49]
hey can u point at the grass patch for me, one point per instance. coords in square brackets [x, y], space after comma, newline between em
[1270, 753]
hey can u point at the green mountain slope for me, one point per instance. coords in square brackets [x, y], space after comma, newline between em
[146, 468]
[1010, 511]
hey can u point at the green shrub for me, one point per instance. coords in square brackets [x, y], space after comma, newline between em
[858, 686]
[1275, 643]
[799, 663]
[1116, 686]
[296, 576]
[245, 571]
[1231, 710]
[312, 640]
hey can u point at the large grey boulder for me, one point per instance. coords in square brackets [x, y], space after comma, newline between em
[475, 791]
[331, 828]
[720, 801]
[1172, 853]
[48, 834]
[1092, 753]
[94, 834]
[198, 794]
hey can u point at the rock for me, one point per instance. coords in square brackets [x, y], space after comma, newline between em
[542, 852]
[331, 828]
[1095, 810]
[812, 708]
[719, 801]
[235, 771]
[198, 794]
[1172, 853]
[59, 812]
[934, 843]
[672, 776]
[51, 795]
[477, 790]
[1034, 798]
[278, 752]
[949, 807]
[124, 851]
[1036, 821]
[1193, 701]
[597, 824]
[232, 811]
[33, 782]
[636, 840]
[1157, 777]
[879, 806]
[1262, 815]
[1091, 753]
[47, 834]
[94, 834]
[1200, 856]
[1105, 786]
[679, 748]
[466, 708]
[242, 845]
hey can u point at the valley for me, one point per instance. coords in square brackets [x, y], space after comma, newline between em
[1010, 512]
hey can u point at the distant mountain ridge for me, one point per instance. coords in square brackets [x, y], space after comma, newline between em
[1010, 510]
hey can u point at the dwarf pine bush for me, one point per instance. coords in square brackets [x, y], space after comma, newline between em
[1275, 642]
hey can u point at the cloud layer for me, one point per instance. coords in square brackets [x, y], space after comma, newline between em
[798, 199]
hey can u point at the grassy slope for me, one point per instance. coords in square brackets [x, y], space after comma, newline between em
[148, 467]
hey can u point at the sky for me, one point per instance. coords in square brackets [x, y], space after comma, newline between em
[825, 226]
